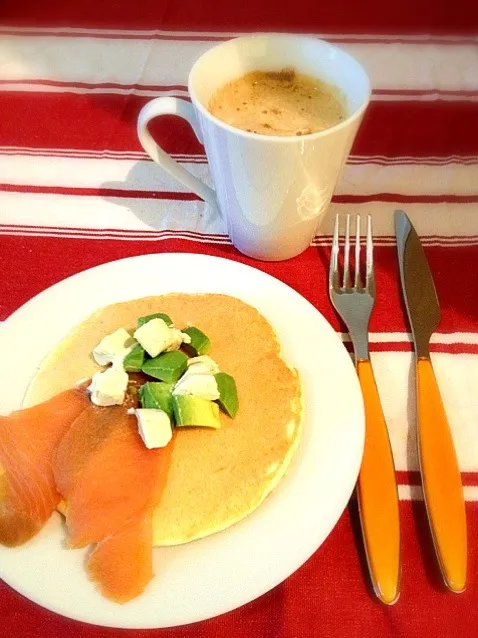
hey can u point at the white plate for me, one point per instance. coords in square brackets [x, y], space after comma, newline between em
[214, 575]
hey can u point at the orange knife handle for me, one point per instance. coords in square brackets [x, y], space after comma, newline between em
[377, 495]
[441, 479]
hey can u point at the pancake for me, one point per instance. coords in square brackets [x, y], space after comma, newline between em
[216, 477]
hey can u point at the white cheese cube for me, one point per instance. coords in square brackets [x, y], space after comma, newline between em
[202, 365]
[113, 346]
[154, 336]
[154, 427]
[108, 387]
[198, 385]
[177, 338]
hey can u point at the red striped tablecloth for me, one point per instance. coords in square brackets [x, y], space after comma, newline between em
[76, 190]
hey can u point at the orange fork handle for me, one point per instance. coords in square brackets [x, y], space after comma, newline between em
[441, 479]
[377, 495]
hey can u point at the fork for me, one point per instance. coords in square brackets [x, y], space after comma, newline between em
[377, 493]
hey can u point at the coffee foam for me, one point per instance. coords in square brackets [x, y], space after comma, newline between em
[283, 103]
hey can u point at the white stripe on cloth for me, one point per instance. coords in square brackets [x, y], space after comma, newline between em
[146, 218]
[415, 493]
[457, 378]
[150, 64]
[406, 337]
[155, 236]
[378, 160]
[386, 96]
[223, 35]
[431, 96]
[129, 174]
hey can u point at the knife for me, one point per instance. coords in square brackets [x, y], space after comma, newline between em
[440, 472]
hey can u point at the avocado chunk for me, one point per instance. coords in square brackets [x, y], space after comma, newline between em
[189, 410]
[227, 393]
[168, 366]
[134, 359]
[200, 343]
[156, 315]
[156, 395]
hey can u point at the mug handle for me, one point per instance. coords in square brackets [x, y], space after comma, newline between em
[172, 106]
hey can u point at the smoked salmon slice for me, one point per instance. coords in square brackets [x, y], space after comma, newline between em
[111, 484]
[28, 442]
[105, 474]
[122, 564]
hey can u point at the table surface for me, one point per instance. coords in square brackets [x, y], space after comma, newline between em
[76, 190]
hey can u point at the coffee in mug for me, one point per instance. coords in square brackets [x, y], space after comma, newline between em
[283, 103]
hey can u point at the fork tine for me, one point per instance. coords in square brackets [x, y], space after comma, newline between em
[370, 277]
[358, 279]
[334, 257]
[347, 254]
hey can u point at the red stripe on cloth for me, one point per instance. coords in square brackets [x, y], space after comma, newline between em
[406, 199]
[174, 195]
[347, 16]
[94, 192]
[36, 258]
[81, 121]
[99, 122]
[413, 477]
[418, 128]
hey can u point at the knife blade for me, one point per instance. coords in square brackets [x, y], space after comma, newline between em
[440, 472]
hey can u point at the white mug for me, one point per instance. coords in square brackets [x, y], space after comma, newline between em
[271, 191]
